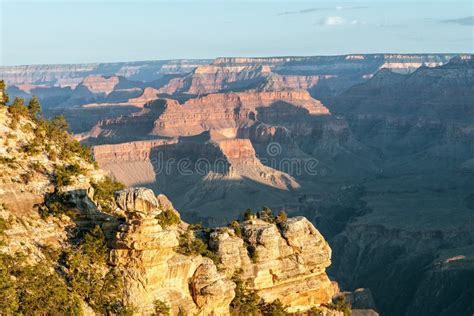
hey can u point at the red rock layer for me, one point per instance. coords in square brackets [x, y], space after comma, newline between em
[228, 110]
[99, 84]
[211, 79]
[149, 94]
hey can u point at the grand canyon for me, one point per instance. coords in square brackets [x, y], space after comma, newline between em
[372, 151]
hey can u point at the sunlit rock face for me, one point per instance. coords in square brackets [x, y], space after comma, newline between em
[153, 270]
[288, 261]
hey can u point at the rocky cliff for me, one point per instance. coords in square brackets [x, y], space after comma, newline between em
[155, 261]
[219, 111]
[153, 270]
[394, 164]
[321, 75]
[72, 74]
[282, 262]
[418, 226]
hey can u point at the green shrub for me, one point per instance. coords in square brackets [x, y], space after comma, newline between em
[57, 204]
[94, 245]
[27, 128]
[33, 289]
[9, 304]
[9, 162]
[32, 149]
[88, 275]
[168, 218]
[76, 148]
[197, 226]
[63, 174]
[193, 246]
[248, 214]
[161, 308]
[4, 225]
[3, 93]
[314, 311]
[245, 302]
[37, 167]
[104, 193]
[34, 108]
[51, 254]
[275, 308]
[17, 110]
[56, 129]
[235, 225]
[281, 217]
[340, 304]
[44, 292]
[266, 214]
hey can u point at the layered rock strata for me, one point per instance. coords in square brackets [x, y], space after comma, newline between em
[218, 111]
[145, 251]
[285, 261]
[288, 262]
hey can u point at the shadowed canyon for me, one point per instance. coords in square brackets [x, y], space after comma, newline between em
[375, 150]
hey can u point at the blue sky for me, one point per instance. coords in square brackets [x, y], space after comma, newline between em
[39, 32]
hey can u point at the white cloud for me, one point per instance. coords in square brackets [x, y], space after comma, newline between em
[338, 21]
[333, 21]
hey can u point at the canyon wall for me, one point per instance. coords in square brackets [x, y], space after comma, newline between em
[393, 186]
[70, 75]
[415, 233]
[155, 257]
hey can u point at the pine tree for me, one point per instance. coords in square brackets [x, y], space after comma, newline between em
[4, 99]
[59, 122]
[34, 108]
[17, 109]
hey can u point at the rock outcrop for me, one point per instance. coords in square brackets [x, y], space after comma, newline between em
[100, 85]
[288, 262]
[146, 235]
[72, 74]
[219, 111]
[424, 140]
[145, 251]
[212, 79]
[285, 261]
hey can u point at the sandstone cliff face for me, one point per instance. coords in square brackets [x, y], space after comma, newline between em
[219, 111]
[410, 259]
[149, 94]
[215, 159]
[224, 113]
[25, 180]
[211, 79]
[153, 270]
[146, 249]
[287, 261]
[73, 74]
[439, 93]
[415, 224]
[97, 84]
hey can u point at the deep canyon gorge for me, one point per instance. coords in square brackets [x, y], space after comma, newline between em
[370, 155]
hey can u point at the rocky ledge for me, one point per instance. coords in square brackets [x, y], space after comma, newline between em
[285, 261]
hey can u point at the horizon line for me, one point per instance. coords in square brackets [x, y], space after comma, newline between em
[235, 56]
